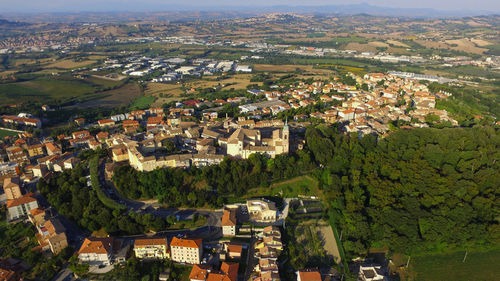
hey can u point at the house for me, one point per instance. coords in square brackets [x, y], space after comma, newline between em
[234, 251]
[370, 273]
[96, 251]
[199, 272]
[80, 121]
[16, 154]
[151, 248]
[308, 275]
[228, 272]
[21, 207]
[80, 134]
[186, 250]
[37, 216]
[57, 243]
[261, 210]
[12, 188]
[35, 150]
[52, 149]
[52, 235]
[40, 171]
[229, 222]
[106, 123]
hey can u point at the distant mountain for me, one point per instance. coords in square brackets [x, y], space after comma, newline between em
[180, 12]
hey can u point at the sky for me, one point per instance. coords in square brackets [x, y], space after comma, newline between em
[167, 5]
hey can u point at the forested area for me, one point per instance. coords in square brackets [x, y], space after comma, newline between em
[70, 195]
[210, 184]
[423, 189]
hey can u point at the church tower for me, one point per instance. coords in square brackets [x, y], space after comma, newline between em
[286, 137]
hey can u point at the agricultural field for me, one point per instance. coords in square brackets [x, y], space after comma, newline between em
[478, 266]
[121, 96]
[70, 64]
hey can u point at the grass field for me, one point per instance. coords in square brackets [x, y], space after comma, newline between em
[124, 95]
[43, 89]
[479, 266]
[142, 102]
[303, 185]
[69, 64]
[5, 133]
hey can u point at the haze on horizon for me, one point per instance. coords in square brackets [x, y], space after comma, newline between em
[34, 6]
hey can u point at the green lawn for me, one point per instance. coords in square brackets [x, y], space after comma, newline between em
[5, 133]
[142, 102]
[479, 266]
[303, 185]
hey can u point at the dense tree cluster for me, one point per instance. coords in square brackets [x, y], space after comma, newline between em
[69, 194]
[209, 185]
[423, 189]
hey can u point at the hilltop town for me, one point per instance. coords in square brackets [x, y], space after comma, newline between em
[219, 146]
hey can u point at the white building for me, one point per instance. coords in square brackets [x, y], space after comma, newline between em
[186, 250]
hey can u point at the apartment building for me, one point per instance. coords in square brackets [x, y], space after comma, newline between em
[21, 207]
[12, 188]
[151, 248]
[229, 222]
[186, 250]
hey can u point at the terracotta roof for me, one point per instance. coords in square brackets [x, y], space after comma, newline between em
[199, 272]
[229, 218]
[6, 274]
[37, 211]
[97, 245]
[150, 241]
[189, 243]
[21, 201]
[230, 269]
[105, 121]
[310, 275]
[234, 248]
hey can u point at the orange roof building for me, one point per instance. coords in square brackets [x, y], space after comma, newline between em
[229, 222]
[308, 275]
[96, 251]
[186, 250]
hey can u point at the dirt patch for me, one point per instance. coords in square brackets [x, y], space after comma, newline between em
[360, 47]
[378, 44]
[329, 242]
[397, 43]
[480, 42]
[465, 45]
[69, 64]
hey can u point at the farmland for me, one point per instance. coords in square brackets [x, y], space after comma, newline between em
[478, 266]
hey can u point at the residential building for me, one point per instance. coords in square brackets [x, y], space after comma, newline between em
[370, 273]
[228, 272]
[186, 250]
[96, 251]
[261, 210]
[229, 222]
[12, 188]
[151, 248]
[21, 207]
[308, 275]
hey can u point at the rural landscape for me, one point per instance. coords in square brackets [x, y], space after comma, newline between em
[308, 143]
